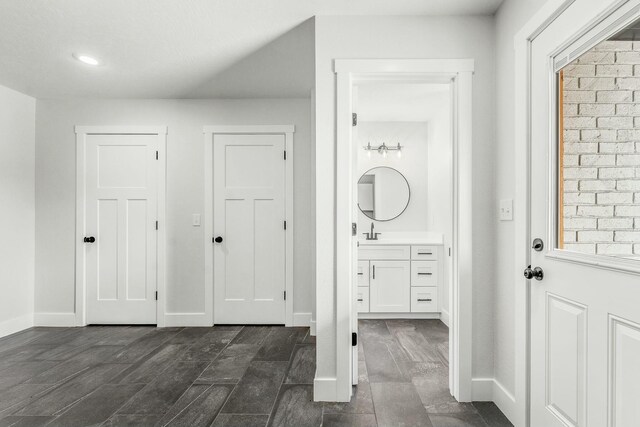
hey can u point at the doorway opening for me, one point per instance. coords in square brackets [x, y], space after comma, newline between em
[404, 194]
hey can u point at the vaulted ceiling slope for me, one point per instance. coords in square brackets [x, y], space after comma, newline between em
[178, 48]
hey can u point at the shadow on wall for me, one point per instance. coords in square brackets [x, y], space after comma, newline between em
[284, 68]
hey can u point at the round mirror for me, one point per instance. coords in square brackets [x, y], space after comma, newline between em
[383, 193]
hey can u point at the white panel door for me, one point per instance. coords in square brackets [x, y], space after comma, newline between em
[585, 315]
[390, 287]
[121, 211]
[248, 219]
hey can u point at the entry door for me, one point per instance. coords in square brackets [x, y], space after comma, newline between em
[248, 222]
[120, 224]
[585, 312]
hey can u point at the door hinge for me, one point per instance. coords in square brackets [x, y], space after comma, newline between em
[156, 155]
[156, 295]
[354, 229]
[285, 154]
[285, 225]
[449, 251]
[354, 119]
[285, 295]
[156, 225]
[354, 339]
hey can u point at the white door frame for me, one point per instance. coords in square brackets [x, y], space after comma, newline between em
[209, 131]
[458, 73]
[522, 222]
[80, 279]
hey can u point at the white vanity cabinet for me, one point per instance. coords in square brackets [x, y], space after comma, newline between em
[399, 278]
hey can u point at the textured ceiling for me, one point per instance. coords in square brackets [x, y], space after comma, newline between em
[178, 48]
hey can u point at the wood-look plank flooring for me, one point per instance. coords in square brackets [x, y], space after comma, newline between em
[225, 376]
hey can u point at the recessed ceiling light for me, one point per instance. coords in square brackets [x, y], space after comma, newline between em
[86, 59]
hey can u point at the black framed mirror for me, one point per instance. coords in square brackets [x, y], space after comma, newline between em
[383, 193]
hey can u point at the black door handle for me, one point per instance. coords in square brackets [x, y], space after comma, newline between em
[218, 239]
[535, 273]
[89, 239]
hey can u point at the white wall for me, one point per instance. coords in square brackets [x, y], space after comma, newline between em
[511, 16]
[17, 210]
[405, 37]
[55, 191]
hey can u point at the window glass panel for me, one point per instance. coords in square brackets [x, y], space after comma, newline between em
[599, 149]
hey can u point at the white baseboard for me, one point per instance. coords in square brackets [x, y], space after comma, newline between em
[444, 316]
[398, 315]
[325, 389]
[490, 390]
[17, 324]
[302, 319]
[186, 319]
[54, 319]
[505, 401]
[482, 389]
[312, 327]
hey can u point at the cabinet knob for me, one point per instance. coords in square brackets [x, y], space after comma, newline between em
[218, 239]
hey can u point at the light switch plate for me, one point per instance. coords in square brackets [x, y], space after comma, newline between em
[506, 210]
[196, 220]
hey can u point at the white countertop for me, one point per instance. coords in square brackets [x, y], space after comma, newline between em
[404, 238]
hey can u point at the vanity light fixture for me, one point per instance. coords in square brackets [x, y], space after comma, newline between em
[383, 149]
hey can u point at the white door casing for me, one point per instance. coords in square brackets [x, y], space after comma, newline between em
[120, 201]
[458, 73]
[249, 197]
[584, 317]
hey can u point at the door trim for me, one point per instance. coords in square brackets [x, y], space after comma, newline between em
[80, 279]
[458, 73]
[209, 131]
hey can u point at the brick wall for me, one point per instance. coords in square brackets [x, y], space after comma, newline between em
[602, 151]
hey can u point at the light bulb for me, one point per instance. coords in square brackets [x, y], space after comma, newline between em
[368, 154]
[399, 153]
[384, 153]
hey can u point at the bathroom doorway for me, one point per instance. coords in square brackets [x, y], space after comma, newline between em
[405, 182]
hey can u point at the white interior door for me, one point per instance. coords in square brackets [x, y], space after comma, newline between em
[585, 316]
[121, 202]
[248, 221]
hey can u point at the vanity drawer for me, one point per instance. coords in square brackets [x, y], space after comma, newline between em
[424, 299]
[383, 252]
[362, 299]
[363, 273]
[427, 253]
[424, 273]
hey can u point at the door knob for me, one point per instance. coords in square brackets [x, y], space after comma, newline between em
[218, 239]
[89, 239]
[535, 273]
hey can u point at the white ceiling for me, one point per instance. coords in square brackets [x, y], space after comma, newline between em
[388, 102]
[178, 48]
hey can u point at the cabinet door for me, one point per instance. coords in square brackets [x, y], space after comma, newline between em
[363, 273]
[390, 285]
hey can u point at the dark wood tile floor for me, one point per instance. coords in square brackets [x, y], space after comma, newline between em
[225, 376]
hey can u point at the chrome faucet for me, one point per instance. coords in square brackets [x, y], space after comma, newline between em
[372, 235]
